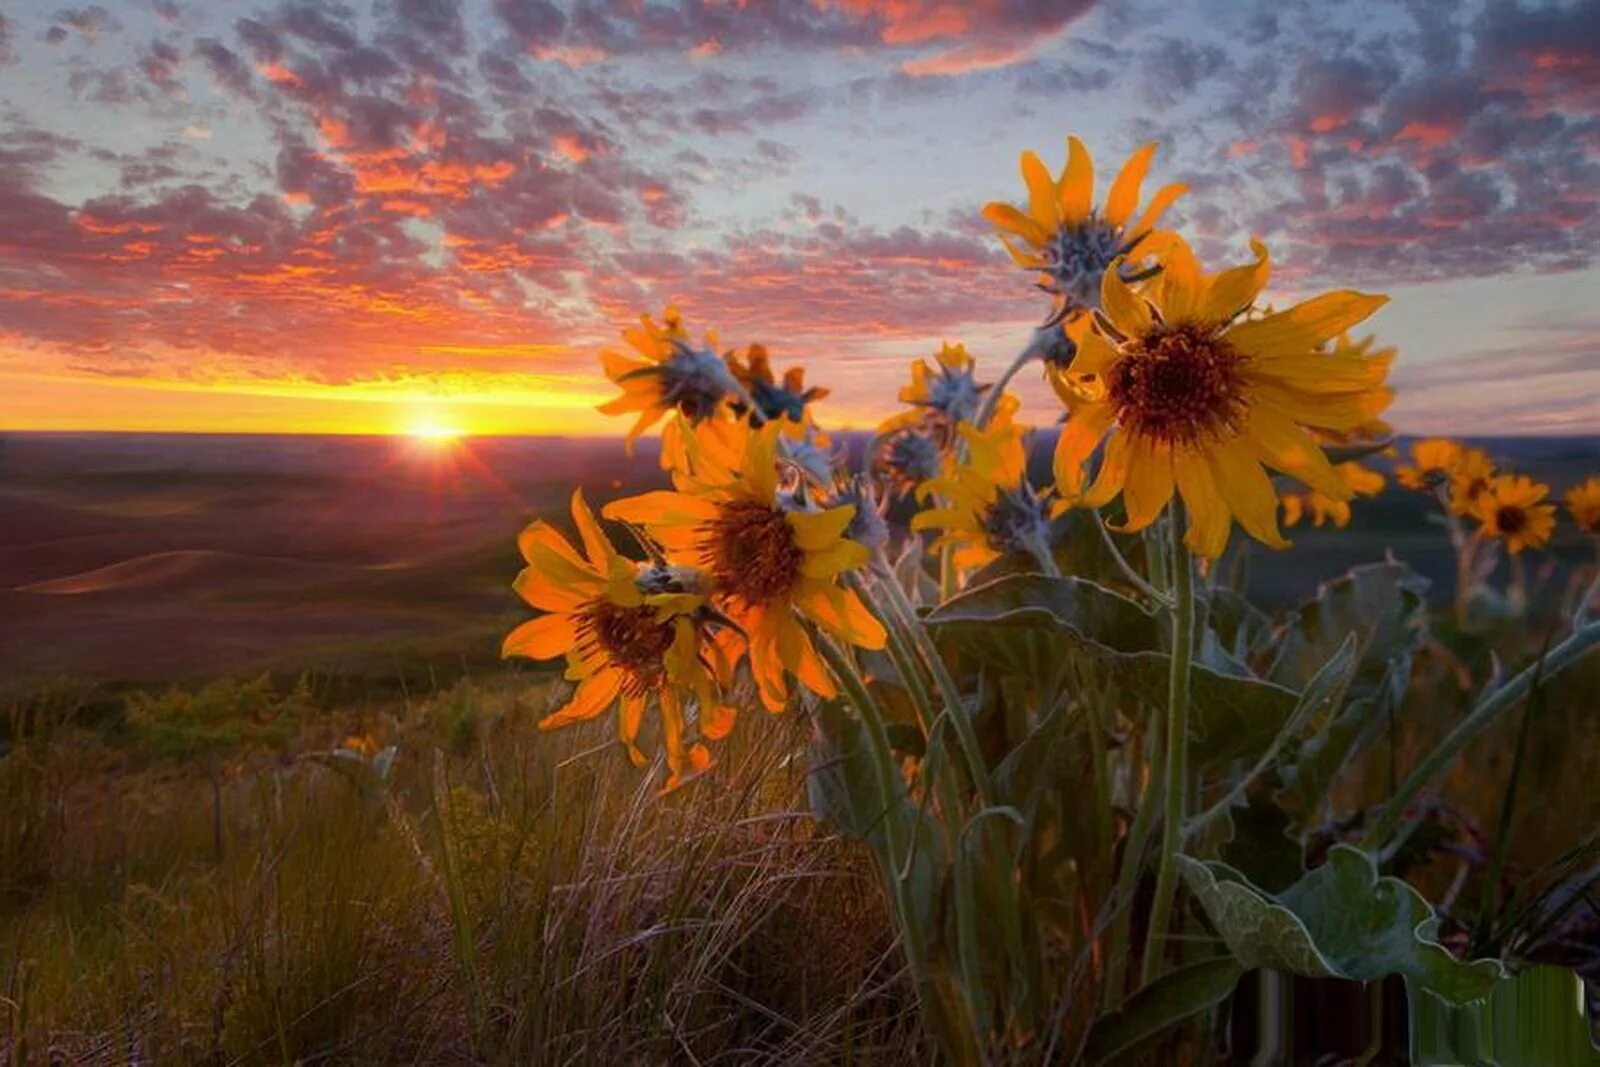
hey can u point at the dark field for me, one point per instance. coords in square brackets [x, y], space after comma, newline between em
[145, 558]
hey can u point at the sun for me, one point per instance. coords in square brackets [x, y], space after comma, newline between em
[433, 430]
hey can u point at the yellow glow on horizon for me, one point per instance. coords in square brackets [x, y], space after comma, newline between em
[431, 429]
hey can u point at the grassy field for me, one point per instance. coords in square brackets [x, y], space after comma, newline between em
[269, 795]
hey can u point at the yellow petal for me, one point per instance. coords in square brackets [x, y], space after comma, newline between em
[662, 507]
[1124, 195]
[1127, 309]
[801, 657]
[1304, 326]
[816, 530]
[837, 558]
[1113, 471]
[594, 695]
[1079, 438]
[1209, 519]
[1180, 285]
[1041, 192]
[1077, 184]
[1234, 290]
[761, 463]
[1158, 206]
[595, 543]
[542, 533]
[766, 663]
[1148, 486]
[716, 722]
[842, 613]
[1019, 257]
[1247, 491]
[1008, 218]
[1284, 446]
[546, 637]
[629, 716]
[1087, 372]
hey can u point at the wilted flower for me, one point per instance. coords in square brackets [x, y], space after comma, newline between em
[987, 508]
[1361, 482]
[668, 374]
[906, 458]
[765, 562]
[1583, 502]
[1511, 512]
[1070, 242]
[775, 401]
[1187, 397]
[632, 635]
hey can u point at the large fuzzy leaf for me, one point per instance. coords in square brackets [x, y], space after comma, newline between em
[1341, 920]
[1383, 604]
[1234, 715]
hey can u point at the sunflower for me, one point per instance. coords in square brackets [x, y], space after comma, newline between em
[1361, 482]
[986, 508]
[766, 563]
[1194, 400]
[1432, 461]
[1511, 511]
[1470, 478]
[1070, 241]
[942, 396]
[632, 635]
[667, 373]
[1583, 501]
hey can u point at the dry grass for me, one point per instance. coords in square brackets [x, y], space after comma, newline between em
[500, 896]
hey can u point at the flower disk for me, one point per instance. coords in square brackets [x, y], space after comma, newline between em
[1179, 386]
[751, 553]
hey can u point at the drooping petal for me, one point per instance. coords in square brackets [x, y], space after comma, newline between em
[842, 613]
[1113, 471]
[800, 656]
[766, 663]
[836, 559]
[662, 507]
[1079, 438]
[1124, 195]
[1284, 446]
[1209, 518]
[717, 721]
[546, 637]
[629, 716]
[1247, 491]
[594, 695]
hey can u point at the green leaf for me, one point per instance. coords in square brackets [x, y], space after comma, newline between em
[1341, 920]
[1159, 1006]
[1243, 629]
[1235, 716]
[1533, 1018]
[1383, 604]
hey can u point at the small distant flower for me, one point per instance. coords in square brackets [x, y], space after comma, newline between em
[765, 563]
[786, 401]
[1511, 512]
[1583, 502]
[666, 372]
[1470, 478]
[1361, 482]
[1069, 241]
[633, 635]
[1432, 461]
[1189, 398]
[987, 508]
[942, 396]
[906, 458]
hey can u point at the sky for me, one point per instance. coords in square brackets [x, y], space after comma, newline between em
[380, 215]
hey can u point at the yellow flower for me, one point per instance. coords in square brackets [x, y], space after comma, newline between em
[765, 562]
[1361, 482]
[1195, 400]
[1583, 501]
[1510, 511]
[666, 373]
[630, 634]
[986, 506]
[941, 396]
[1432, 459]
[1070, 242]
[1469, 480]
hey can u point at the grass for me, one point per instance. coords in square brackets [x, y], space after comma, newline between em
[482, 893]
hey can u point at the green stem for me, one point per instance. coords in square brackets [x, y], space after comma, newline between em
[1175, 790]
[1132, 576]
[991, 398]
[955, 709]
[1579, 642]
[1127, 884]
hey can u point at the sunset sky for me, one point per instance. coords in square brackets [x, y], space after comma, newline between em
[384, 214]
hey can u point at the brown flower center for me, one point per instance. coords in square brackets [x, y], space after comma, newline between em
[1178, 385]
[633, 639]
[1510, 519]
[750, 552]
